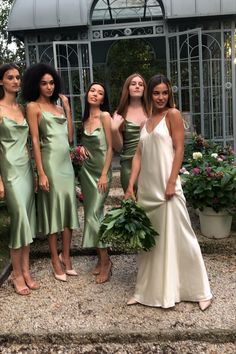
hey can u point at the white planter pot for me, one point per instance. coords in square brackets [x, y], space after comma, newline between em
[215, 225]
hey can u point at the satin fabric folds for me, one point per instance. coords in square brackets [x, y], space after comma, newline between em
[131, 136]
[90, 172]
[174, 269]
[17, 176]
[57, 208]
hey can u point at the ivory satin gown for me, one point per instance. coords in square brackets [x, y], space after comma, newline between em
[174, 269]
[17, 175]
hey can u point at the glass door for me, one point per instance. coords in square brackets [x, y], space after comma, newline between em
[73, 61]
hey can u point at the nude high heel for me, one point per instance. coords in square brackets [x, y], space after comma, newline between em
[20, 291]
[68, 271]
[204, 304]
[131, 302]
[100, 279]
[61, 277]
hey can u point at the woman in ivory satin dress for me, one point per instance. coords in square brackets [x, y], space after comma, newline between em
[127, 122]
[174, 269]
[16, 179]
[51, 132]
[95, 173]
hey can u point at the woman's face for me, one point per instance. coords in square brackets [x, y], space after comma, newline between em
[11, 81]
[46, 86]
[96, 95]
[136, 87]
[160, 96]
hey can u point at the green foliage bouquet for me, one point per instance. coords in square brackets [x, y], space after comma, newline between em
[209, 180]
[127, 227]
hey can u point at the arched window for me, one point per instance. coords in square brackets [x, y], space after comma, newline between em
[123, 11]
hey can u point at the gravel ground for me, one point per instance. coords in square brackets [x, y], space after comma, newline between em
[82, 312]
[82, 317]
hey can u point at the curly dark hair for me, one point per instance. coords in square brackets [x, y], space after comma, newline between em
[104, 106]
[3, 69]
[31, 82]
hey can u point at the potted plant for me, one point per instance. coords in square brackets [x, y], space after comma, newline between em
[209, 184]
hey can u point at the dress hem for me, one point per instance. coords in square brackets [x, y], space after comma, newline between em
[172, 305]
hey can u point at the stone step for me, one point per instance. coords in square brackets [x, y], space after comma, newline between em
[155, 347]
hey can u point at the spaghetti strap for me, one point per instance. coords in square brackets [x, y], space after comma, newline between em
[39, 106]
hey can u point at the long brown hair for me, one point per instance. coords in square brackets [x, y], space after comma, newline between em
[3, 69]
[154, 81]
[125, 97]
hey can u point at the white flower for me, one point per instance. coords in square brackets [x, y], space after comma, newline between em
[197, 155]
[220, 159]
[214, 155]
[184, 171]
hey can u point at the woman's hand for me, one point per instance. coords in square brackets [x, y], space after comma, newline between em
[65, 102]
[129, 194]
[170, 190]
[84, 154]
[2, 189]
[102, 183]
[44, 183]
[35, 184]
[117, 121]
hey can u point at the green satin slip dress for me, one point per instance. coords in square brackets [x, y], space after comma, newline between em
[57, 208]
[17, 176]
[131, 136]
[90, 172]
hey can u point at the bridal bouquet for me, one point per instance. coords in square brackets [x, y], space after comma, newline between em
[127, 227]
[75, 155]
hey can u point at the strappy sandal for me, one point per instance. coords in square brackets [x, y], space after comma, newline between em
[20, 291]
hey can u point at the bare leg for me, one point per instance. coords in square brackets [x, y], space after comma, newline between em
[17, 274]
[56, 264]
[105, 266]
[66, 242]
[26, 270]
[97, 268]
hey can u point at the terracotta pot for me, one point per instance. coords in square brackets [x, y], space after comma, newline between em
[215, 225]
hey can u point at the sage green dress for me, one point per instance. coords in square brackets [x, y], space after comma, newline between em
[131, 135]
[90, 172]
[57, 208]
[17, 176]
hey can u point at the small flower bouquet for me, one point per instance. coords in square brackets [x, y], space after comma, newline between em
[75, 155]
[79, 194]
[127, 227]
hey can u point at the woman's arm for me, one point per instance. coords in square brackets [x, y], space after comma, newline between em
[67, 109]
[116, 129]
[106, 122]
[2, 189]
[176, 127]
[136, 165]
[33, 116]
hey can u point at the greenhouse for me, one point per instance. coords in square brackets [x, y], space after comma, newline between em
[193, 42]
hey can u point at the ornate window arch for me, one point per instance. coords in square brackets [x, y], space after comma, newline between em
[122, 11]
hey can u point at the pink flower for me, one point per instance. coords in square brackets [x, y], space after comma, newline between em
[196, 171]
[208, 171]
